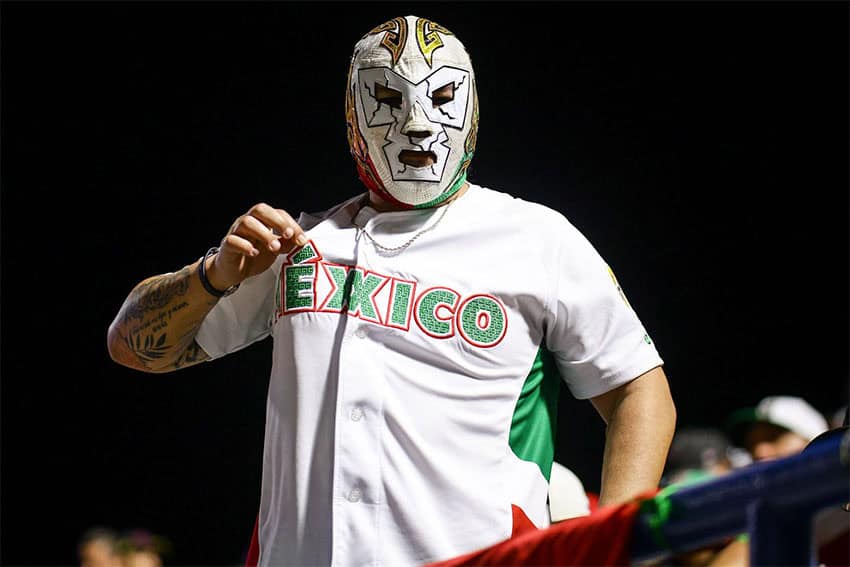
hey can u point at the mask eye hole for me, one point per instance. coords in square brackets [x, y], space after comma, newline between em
[387, 95]
[444, 94]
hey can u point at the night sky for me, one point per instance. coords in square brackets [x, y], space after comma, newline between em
[702, 148]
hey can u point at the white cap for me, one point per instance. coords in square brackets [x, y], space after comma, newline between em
[567, 497]
[793, 413]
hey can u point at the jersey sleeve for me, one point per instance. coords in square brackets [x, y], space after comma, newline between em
[595, 336]
[241, 318]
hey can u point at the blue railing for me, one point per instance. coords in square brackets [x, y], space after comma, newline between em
[773, 502]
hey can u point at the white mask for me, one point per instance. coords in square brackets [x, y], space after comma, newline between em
[412, 111]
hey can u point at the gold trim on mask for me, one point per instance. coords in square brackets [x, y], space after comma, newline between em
[395, 36]
[429, 41]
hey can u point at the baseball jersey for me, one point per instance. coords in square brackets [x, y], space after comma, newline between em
[412, 400]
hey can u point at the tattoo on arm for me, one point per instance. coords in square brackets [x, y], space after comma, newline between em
[156, 293]
[192, 355]
[147, 347]
[146, 319]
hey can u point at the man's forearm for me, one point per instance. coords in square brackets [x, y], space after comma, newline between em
[154, 330]
[641, 421]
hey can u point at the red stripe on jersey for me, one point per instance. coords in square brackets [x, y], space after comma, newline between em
[521, 522]
[254, 549]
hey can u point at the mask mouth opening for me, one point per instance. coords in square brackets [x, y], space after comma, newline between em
[416, 158]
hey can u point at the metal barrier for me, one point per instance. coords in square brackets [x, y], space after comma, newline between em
[773, 502]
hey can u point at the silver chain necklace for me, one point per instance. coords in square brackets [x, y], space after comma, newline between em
[395, 250]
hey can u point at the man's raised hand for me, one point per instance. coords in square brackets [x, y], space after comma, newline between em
[251, 245]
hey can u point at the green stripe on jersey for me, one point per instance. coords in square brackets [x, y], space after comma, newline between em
[535, 419]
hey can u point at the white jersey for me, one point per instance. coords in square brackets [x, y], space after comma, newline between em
[411, 408]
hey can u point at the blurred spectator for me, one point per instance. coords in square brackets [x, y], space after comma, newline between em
[98, 548]
[830, 526]
[698, 453]
[838, 417]
[567, 496]
[140, 548]
[778, 426]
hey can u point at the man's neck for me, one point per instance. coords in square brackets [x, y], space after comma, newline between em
[382, 205]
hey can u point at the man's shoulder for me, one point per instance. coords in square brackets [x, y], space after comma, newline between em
[518, 209]
[527, 220]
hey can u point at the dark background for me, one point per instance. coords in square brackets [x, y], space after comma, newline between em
[702, 147]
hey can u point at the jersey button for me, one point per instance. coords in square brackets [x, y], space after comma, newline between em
[360, 333]
[356, 414]
[354, 495]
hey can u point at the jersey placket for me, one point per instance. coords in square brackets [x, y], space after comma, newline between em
[358, 491]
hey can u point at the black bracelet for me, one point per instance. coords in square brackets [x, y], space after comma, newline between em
[202, 274]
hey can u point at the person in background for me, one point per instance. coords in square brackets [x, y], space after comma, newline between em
[698, 453]
[97, 547]
[838, 417]
[778, 426]
[141, 548]
[792, 416]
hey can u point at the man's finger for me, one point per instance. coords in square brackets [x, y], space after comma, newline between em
[280, 222]
[297, 233]
[277, 219]
[256, 231]
[235, 243]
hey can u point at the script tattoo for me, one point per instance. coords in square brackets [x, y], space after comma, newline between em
[147, 315]
[156, 293]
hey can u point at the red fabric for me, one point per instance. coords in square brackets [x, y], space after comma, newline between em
[592, 501]
[602, 538]
[254, 549]
[521, 522]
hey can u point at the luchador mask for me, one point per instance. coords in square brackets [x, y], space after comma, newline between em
[412, 111]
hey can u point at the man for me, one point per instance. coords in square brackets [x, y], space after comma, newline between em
[418, 331]
[778, 426]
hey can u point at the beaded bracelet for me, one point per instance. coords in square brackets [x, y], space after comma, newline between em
[202, 274]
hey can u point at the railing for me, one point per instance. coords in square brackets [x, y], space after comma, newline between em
[773, 502]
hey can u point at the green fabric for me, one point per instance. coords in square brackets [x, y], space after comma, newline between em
[461, 179]
[535, 419]
[657, 511]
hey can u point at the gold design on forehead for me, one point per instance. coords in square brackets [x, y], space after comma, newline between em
[429, 39]
[395, 36]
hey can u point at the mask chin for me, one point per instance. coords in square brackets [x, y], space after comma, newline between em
[414, 193]
[418, 194]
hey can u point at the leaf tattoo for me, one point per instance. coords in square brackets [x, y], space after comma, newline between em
[146, 349]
